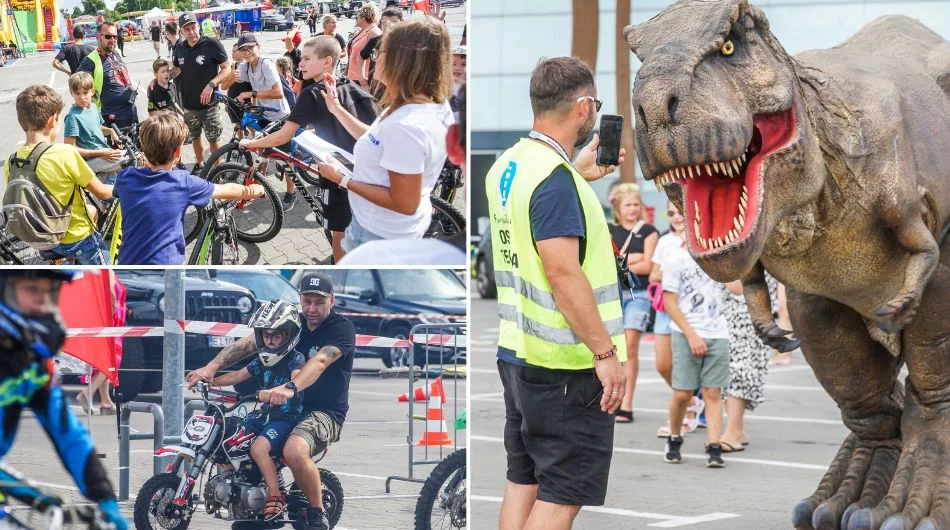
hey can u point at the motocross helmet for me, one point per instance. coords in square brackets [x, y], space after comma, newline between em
[275, 315]
[41, 331]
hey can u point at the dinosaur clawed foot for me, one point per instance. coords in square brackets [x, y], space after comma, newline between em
[897, 313]
[858, 478]
[919, 496]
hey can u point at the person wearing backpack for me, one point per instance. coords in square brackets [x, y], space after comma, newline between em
[43, 204]
[319, 57]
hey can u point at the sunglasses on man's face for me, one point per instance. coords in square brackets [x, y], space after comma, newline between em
[597, 103]
[109, 37]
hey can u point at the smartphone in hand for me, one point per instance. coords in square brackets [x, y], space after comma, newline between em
[611, 128]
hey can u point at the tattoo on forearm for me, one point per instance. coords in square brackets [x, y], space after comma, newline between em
[241, 349]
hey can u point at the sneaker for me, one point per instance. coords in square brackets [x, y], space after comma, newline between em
[714, 456]
[673, 444]
[196, 170]
[317, 519]
[289, 200]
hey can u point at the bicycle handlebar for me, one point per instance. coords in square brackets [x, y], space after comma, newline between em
[244, 107]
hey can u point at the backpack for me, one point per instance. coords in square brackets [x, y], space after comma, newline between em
[357, 101]
[32, 213]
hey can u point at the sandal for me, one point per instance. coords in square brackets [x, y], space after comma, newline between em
[624, 416]
[729, 448]
[274, 508]
[696, 406]
[107, 410]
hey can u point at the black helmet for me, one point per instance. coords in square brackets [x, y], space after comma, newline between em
[275, 315]
[42, 333]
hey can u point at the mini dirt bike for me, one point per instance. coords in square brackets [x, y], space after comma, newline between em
[216, 443]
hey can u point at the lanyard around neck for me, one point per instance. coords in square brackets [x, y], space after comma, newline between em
[541, 137]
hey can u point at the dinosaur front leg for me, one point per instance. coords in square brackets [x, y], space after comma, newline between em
[756, 293]
[861, 376]
[907, 222]
[919, 496]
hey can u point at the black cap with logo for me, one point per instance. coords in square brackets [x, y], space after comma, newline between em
[246, 39]
[315, 282]
[187, 18]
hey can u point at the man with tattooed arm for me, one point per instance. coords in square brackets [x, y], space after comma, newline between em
[327, 340]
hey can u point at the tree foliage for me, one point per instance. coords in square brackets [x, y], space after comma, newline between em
[92, 7]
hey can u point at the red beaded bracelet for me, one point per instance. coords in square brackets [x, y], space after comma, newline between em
[610, 353]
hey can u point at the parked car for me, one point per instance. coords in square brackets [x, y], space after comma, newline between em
[400, 292]
[300, 12]
[350, 8]
[206, 299]
[273, 21]
[265, 285]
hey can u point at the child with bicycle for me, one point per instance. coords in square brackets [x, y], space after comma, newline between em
[83, 127]
[62, 171]
[154, 197]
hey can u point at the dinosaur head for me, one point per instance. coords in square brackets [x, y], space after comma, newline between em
[719, 124]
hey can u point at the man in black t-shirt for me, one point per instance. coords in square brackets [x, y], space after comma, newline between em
[328, 340]
[73, 53]
[203, 65]
[310, 111]
[156, 33]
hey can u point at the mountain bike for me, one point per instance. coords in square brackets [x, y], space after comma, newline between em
[44, 510]
[447, 220]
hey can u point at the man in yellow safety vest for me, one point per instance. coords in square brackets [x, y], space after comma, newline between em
[208, 28]
[561, 340]
[115, 93]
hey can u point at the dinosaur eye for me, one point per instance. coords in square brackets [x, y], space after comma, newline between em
[727, 48]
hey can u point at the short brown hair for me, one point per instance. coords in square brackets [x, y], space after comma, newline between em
[369, 13]
[158, 64]
[284, 65]
[418, 62]
[35, 105]
[171, 27]
[392, 12]
[325, 46]
[80, 82]
[556, 81]
[160, 135]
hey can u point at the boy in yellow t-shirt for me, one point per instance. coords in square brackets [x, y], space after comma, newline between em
[61, 169]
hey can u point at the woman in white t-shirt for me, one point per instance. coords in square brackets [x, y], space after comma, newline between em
[397, 159]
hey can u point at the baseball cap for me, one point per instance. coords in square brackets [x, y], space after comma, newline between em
[186, 18]
[315, 282]
[296, 38]
[246, 39]
[460, 50]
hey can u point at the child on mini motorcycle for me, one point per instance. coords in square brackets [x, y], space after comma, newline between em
[277, 329]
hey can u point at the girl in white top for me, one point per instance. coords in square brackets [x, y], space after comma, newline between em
[398, 158]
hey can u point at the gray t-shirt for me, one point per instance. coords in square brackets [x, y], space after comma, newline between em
[263, 78]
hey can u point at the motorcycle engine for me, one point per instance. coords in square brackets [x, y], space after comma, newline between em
[244, 501]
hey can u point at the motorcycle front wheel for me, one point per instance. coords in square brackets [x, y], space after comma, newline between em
[441, 503]
[154, 499]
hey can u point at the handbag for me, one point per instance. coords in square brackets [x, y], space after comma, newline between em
[627, 279]
[655, 292]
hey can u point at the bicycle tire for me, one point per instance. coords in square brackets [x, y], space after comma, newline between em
[231, 172]
[447, 221]
[224, 151]
[432, 489]
[217, 250]
[199, 253]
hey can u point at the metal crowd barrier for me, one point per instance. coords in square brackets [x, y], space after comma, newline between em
[457, 348]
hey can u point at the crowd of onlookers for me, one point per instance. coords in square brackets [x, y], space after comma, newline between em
[388, 94]
[707, 350]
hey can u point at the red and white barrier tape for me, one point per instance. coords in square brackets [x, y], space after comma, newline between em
[221, 329]
[456, 318]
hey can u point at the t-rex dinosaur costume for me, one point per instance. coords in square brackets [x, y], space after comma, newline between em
[831, 170]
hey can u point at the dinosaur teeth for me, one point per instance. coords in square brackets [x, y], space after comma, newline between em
[722, 167]
[735, 221]
[719, 242]
[708, 171]
[735, 165]
[696, 210]
[728, 238]
[702, 242]
[742, 158]
[690, 170]
[729, 170]
[742, 212]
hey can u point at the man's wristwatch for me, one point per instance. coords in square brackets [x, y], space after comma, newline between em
[292, 386]
[211, 84]
[254, 94]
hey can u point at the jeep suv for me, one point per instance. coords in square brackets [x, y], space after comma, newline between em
[206, 299]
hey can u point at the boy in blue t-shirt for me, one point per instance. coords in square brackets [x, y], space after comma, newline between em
[272, 423]
[83, 127]
[154, 197]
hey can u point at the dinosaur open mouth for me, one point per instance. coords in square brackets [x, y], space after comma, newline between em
[722, 200]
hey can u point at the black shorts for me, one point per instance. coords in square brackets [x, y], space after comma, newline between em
[336, 211]
[556, 436]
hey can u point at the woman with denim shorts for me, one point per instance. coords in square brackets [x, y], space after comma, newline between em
[637, 239]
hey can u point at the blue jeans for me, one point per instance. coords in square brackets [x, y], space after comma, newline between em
[89, 251]
[636, 310]
[356, 235]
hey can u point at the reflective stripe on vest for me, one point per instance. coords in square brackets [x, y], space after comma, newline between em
[531, 324]
[97, 76]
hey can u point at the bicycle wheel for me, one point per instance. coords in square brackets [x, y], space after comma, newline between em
[230, 152]
[447, 221]
[442, 499]
[225, 249]
[192, 222]
[255, 221]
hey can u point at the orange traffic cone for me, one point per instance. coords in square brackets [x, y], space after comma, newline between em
[436, 431]
[420, 394]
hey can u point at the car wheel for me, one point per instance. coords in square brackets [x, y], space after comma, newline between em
[484, 279]
[396, 357]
